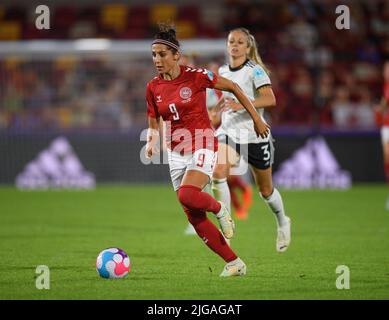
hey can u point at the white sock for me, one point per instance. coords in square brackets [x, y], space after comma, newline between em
[233, 262]
[221, 192]
[274, 201]
[208, 189]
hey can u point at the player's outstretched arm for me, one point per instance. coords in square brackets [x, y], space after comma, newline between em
[260, 126]
[152, 137]
[266, 98]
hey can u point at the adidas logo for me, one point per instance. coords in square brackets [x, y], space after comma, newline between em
[56, 167]
[312, 166]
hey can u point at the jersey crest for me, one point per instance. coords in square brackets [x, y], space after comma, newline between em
[185, 93]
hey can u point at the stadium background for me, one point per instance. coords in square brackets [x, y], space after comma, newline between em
[326, 80]
[54, 84]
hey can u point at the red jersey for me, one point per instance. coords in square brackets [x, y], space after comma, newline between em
[181, 102]
[382, 118]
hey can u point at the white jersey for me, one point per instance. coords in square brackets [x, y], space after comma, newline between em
[238, 125]
[212, 98]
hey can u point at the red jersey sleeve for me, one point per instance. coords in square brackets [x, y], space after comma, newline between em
[205, 79]
[152, 110]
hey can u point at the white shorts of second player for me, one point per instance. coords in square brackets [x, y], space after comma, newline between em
[385, 134]
[202, 160]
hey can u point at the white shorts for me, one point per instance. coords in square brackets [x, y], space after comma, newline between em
[385, 134]
[202, 160]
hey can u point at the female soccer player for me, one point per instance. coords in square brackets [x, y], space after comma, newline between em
[177, 95]
[235, 182]
[382, 119]
[248, 71]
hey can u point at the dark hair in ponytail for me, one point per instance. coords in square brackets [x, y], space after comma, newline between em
[167, 32]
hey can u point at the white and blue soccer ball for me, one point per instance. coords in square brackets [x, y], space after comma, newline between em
[113, 263]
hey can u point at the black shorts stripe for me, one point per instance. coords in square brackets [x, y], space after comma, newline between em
[250, 64]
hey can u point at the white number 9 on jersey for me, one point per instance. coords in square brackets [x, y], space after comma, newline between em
[173, 110]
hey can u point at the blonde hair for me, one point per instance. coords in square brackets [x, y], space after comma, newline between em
[252, 44]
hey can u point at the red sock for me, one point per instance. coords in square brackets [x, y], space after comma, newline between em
[236, 182]
[210, 234]
[193, 198]
[386, 168]
[235, 199]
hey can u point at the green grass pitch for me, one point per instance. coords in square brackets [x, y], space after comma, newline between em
[66, 230]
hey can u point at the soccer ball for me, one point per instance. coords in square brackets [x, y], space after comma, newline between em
[112, 263]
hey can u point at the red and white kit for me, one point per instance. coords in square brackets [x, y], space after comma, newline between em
[181, 103]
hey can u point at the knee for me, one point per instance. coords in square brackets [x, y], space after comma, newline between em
[220, 171]
[186, 196]
[266, 191]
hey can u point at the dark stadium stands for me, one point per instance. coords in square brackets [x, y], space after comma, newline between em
[321, 75]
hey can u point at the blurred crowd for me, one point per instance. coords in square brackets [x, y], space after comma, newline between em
[321, 75]
[72, 92]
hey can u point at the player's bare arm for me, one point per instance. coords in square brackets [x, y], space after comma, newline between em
[152, 137]
[220, 104]
[265, 99]
[260, 126]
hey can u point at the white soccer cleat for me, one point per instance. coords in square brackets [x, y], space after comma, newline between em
[226, 223]
[234, 268]
[283, 236]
